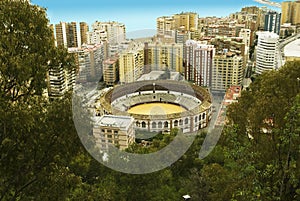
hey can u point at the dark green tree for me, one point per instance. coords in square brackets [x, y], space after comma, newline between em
[26, 50]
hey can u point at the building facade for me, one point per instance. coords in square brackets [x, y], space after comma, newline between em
[66, 34]
[110, 71]
[114, 130]
[272, 22]
[84, 29]
[60, 81]
[199, 63]
[89, 60]
[290, 12]
[165, 25]
[112, 32]
[228, 70]
[187, 21]
[266, 53]
[162, 56]
[131, 64]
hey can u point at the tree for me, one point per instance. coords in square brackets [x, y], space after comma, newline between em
[27, 46]
[264, 131]
[38, 139]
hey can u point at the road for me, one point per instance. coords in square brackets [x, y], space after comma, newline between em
[282, 44]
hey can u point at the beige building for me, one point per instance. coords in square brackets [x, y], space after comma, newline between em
[165, 25]
[228, 70]
[84, 29]
[66, 34]
[131, 64]
[290, 12]
[110, 71]
[164, 55]
[187, 21]
[114, 130]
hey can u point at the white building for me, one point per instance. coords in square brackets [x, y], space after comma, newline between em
[89, 60]
[246, 35]
[114, 130]
[266, 53]
[60, 80]
[112, 32]
[199, 62]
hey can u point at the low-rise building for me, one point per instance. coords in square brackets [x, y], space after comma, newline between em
[114, 130]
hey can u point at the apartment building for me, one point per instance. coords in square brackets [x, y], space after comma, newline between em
[114, 130]
[199, 63]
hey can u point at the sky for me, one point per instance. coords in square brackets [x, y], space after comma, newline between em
[136, 14]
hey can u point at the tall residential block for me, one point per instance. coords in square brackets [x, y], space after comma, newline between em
[60, 80]
[131, 64]
[266, 53]
[165, 25]
[112, 32]
[111, 71]
[162, 56]
[84, 29]
[290, 12]
[187, 21]
[199, 63]
[228, 70]
[245, 34]
[114, 130]
[272, 22]
[66, 34]
[89, 61]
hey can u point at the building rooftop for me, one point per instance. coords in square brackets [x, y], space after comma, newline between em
[156, 75]
[267, 34]
[292, 49]
[232, 94]
[121, 122]
[110, 61]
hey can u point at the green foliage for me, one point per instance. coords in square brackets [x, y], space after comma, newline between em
[27, 50]
[41, 157]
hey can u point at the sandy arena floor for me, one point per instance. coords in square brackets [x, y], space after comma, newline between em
[156, 109]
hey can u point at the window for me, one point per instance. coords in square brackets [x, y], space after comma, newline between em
[116, 132]
[109, 136]
[203, 116]
[159, 125]
[153, 124]
[103, 130]
[180, 122]
[196, 119]
[143, 124]
[186, 121]
[109, 141]
[176, 123]
[166, 124]
[109, 131]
